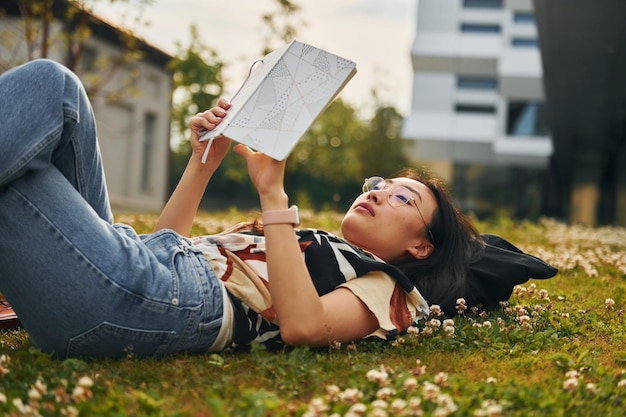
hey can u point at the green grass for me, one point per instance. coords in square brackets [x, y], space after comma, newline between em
[558, 348]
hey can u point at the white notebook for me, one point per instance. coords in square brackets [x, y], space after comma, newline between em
[283, 95]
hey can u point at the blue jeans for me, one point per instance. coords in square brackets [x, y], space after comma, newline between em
[81, 285]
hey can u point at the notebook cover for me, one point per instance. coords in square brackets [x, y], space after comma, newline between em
[284, 94]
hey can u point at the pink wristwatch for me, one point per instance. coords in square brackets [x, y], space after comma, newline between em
[288, 216]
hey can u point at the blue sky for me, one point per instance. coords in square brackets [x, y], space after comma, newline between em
[376, 34]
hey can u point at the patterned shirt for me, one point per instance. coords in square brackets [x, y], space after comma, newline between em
[239, 262]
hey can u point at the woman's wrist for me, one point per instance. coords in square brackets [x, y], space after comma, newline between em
[275, 200]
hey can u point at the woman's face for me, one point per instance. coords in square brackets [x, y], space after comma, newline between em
[391, 232]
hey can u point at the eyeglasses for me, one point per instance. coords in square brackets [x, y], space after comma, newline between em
[397, 197]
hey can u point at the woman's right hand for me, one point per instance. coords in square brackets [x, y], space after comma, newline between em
[206, 121]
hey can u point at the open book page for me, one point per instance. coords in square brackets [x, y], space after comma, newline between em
[285, 92]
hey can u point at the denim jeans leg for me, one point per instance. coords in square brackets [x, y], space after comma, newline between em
[46, 118]
[80, 285]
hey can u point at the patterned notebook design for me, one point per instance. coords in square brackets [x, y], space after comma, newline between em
[282, 97]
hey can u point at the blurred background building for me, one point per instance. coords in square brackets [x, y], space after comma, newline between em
[478, 113]
[127, 81]
[521, 105]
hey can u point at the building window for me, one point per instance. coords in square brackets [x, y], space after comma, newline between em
[475, 108]
[479, 28]
[469, 82]
[523, 17]
[527, 118]
[482, 4]
[524, 43]
[149, 129]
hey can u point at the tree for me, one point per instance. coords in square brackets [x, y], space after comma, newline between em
[382, 148]
[198, 83]
[281, 25]
[78, 24]
[323, 168]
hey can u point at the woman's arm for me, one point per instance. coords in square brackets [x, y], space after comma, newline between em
[304, 317]
[181, 208]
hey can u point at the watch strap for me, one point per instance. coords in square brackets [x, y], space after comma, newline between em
[287, 216]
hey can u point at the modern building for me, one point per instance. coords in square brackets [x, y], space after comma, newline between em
[478, 113]
[131, 97]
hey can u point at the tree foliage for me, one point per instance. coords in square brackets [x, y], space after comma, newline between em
[281, 24]
[36, 37]
[198, 83]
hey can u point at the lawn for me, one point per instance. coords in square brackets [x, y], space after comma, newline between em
[556, 348]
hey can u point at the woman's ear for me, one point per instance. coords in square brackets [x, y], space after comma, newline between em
[421, 250]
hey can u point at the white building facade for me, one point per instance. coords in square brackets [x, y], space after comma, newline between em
[477, 88]
[132, 103]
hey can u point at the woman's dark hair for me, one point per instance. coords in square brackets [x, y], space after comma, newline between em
[441, 277]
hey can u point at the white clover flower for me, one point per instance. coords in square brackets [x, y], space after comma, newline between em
[3, 398]
[22, 408]
[350, 395]
[378, 376]
[434, 323]
[591, 387]
[332, 392]
[357, 409]
[477, 325]
[419, 369]
[543, 294]
[414, 330]
[449, 330]
[398, 406]
[519, 291]
[410, 384]
[70, 411]
[430, 391]
[489, 408]
[385, 393]
[494, 410]
[415, 403]
[318, 406]
[570, 384]
[79, 393]
[34, 395]
[609, 303]
[380, 404]
[85, 382]
[399, 341]
[435, 310]
[491, 380]
[622, 383]
[448, 322]
[441, 379]
[445, 400]
[487, 324]
[378, 412]
[5, 361]
[572, 374]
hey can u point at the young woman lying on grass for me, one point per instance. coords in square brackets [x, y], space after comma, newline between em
[83, 286]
